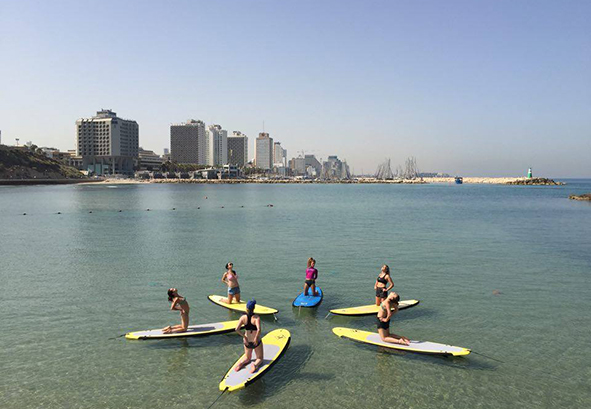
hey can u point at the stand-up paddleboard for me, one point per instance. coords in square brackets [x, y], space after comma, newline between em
[371, 309]
[275, 343]
[424, 347]
[309, 300]
[241, 306]
[192, 331]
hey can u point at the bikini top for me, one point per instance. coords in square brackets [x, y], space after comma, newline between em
[382, 280]
[249, 326]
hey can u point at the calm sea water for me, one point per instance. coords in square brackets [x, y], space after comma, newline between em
[72, 282]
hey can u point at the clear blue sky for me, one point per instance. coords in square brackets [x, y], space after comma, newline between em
[468, 87]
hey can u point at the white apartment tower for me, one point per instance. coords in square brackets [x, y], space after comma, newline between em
[188, 142]
[279, 155]
[238, 149]
[217, 146]
[107, 144]
[264, 151]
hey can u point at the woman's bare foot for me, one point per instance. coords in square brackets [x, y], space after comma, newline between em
[240, 366]
[253, 368]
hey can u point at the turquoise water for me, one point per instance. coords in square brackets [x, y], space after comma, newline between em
[72, 282]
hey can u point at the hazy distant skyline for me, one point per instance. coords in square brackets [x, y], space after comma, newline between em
[475, 88]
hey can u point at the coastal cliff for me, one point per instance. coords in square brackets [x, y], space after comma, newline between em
[24, 164]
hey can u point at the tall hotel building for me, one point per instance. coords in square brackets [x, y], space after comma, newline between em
[264, 151]
[107, 144]
[217, 146]
[238, 149]
[188, 143]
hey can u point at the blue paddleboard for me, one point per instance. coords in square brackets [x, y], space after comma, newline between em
[309, 300]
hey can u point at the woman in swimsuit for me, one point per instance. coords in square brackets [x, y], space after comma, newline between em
[251, 337]
[180, 304]
[231, 279]
[383, 284]
[388, 307]
[311, 276]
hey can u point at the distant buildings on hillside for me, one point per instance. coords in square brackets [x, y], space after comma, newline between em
[107, 144]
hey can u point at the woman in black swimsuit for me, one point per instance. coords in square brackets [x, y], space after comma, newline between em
[387, 308]
[383, 284]
[251, 337]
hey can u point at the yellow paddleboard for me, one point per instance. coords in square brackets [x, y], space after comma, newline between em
[275, 343]
[371, 309]
[192, 331]
[424, 347]
[241, 306]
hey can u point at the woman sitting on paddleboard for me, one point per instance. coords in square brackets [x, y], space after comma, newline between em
[383, 284]
[311, 276]
[180, 304]
[388, 307]
[231, 279]
[252, 337]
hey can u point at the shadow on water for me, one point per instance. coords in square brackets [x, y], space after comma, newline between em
[287, 369]
[193, 342]
[305, 314]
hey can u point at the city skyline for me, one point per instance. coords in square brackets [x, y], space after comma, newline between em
[485, 89]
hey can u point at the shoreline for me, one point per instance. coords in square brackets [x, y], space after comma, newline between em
[30, 182]
[422, 181]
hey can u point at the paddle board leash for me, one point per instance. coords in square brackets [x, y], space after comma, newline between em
[275, 317]
[327, 315]
[218, 398]
[486, 356]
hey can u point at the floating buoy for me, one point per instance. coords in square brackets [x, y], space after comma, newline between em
[59, 212]
[198, 208]
[222, 207]
[241, 206]
[147, 210]
[174, 208]
[120, 210]
[24, 214]
[90, 211]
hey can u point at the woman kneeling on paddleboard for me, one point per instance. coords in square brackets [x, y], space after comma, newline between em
[251, 337]
[383, 284]
[311, 276]
[231, 279]
[178, 303]
[388, 307]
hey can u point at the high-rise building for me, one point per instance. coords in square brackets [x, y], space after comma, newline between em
[217, 146]
[264, 151]
[188, 142]
[335, 169]
[107, 144]
[279, 155]
[238, 149]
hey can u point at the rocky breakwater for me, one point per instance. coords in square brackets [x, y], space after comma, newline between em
[585, 196]
[535, 182]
